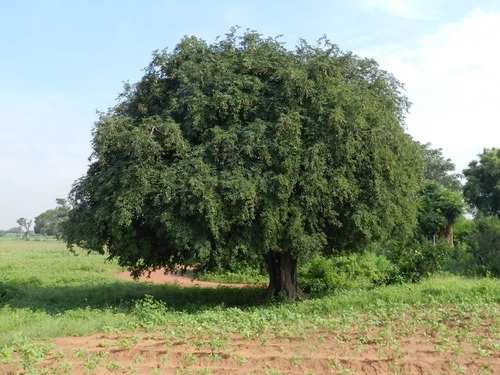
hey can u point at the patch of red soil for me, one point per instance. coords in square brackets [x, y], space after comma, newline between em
[316, 351]
[160, 276]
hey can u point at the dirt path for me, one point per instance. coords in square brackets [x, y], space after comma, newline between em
[159, 276]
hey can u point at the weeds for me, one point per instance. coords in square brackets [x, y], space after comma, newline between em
[29, 353]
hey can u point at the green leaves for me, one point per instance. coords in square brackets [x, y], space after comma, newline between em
[482, 189]
[242, 144]
[438, 209]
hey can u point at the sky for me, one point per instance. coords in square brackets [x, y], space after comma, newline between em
[61, 61]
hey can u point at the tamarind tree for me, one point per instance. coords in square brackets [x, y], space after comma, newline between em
[244, 145]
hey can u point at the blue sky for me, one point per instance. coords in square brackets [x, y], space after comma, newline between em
[61, 60]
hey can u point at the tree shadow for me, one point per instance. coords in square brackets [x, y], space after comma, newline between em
[121, 296]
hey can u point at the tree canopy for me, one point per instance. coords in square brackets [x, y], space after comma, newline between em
[438, 210]
[51, 221]
[482, 189]
[243, 146]
[439, 169]
[439, 201]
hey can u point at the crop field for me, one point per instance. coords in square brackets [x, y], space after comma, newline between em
[71, 314]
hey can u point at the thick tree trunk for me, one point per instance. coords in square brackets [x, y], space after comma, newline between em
[282, 268]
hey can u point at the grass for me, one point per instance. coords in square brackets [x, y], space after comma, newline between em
[47, 292]
[246, 277]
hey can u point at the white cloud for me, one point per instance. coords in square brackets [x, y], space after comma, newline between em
[412, 9]
[452, 77]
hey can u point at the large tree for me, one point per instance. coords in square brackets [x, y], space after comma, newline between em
[482, 189]
[245, 144]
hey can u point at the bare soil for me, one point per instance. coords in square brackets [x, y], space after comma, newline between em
[320, 352]
[161, 276]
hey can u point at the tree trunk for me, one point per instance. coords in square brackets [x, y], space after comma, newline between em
[282, 268]
[447, 233]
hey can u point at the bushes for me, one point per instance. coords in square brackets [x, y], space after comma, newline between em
[377, 266]
[484, 245]
[321, 275]
[418, 260]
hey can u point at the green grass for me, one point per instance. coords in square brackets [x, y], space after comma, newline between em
[46, 291]
[246, 277]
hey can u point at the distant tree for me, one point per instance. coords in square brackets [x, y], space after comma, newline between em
[24, 227]
[438, 210]
[482, 189]
[244, 144]
[440, 204]
[438, 169]
[51, 222]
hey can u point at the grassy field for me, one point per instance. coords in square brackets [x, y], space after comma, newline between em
[67, 314]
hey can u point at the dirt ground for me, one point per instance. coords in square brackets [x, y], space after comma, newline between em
[160, 276]
[316, 351]
[153, 354]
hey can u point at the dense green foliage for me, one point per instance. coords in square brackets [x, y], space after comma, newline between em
[485, 244]
[439, 201]
[438, 210]
[482, 189]
[418, 260]
[241, 149]
[50, 222]
[321, 275]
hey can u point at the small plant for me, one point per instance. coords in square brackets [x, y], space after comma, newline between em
[483, 353]
[485, 370]
[214, 357]
[114, 366]
[457, 349]
[29, 353]
[273, 372]
[90, 360]
[163, 360]
[240, 361]
[205, 371]
[128, 343]
[456, 368]
[188, 359]
[138, 359]
[65, 368]
[149, 313]
[295, 360]
[6, 354]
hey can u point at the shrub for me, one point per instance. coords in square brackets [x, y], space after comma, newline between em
[322, 275]
[462, 262]
[484, 245]
[418, 260]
